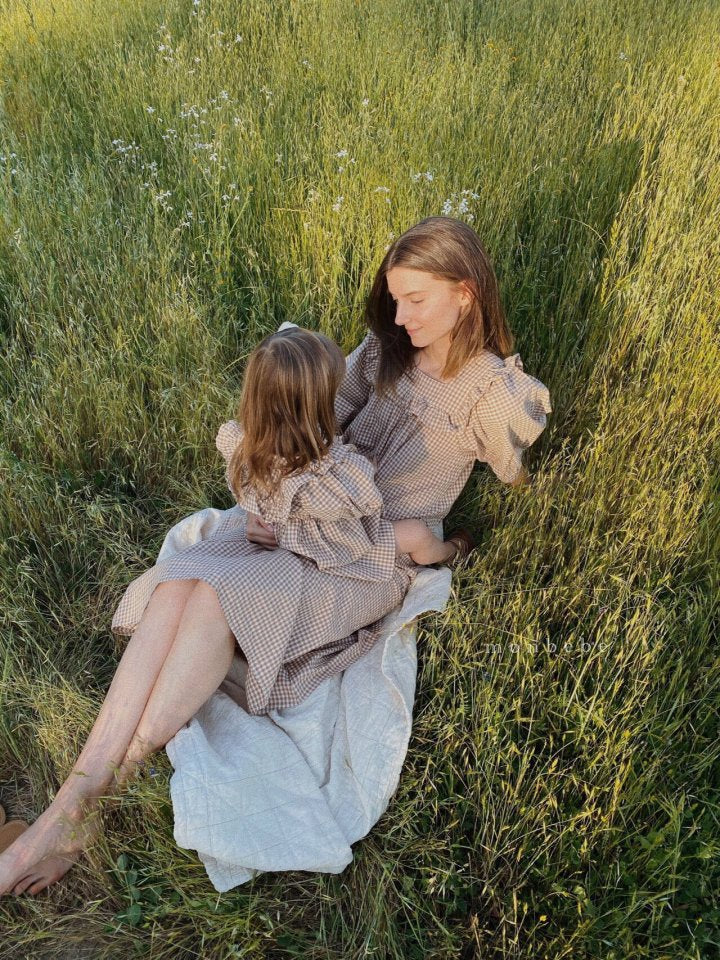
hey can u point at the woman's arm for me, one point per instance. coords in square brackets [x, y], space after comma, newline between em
[354, 390]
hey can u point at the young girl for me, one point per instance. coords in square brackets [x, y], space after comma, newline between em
[288, 465]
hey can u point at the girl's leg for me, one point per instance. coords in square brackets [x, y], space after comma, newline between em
[417, 539]
[58, 829]
[188, 677]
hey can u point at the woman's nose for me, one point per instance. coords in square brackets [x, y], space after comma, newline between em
[401, 316]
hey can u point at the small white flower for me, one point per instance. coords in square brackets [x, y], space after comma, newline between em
[338, 204]
[238, 38]
[365, 102]
[382, 190]
[340, 169]
[278, 158]
[150, 109]
[341, 153]
[623, 56]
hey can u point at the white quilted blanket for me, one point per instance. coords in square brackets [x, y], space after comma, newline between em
[293, 789]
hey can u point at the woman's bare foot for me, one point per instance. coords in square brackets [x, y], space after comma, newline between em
[48, 848]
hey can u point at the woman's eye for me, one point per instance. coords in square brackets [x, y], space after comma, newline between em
[416, 301]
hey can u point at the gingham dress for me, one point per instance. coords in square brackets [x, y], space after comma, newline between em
[330, 513]
[296, 624]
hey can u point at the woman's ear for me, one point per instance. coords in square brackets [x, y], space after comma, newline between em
[466, 295]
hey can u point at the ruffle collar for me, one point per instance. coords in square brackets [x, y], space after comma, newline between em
[275, 508]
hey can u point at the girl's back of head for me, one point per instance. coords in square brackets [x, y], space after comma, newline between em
[287, 406]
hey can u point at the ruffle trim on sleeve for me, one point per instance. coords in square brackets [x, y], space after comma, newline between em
[509, 415]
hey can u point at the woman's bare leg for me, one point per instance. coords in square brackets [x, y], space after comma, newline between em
[58, 829]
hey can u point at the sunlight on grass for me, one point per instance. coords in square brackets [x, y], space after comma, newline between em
[178, 178]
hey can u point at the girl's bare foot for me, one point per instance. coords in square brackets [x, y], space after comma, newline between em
[48, 848]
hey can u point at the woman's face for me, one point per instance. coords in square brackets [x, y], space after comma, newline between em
[427, 306]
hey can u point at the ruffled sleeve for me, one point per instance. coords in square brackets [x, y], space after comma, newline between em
[355, 388]
[228, 436]
[509, 416]
[334, 518]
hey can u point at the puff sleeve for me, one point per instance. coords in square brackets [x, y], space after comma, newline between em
[355, 388]
[228, 436]
[509, 416]
[335, 519]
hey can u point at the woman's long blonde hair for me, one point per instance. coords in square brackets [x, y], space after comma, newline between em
[286, 407]
[451, 250]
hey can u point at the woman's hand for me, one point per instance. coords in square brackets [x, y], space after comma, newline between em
[257, 531]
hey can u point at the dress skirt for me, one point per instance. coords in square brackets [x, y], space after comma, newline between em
[295, 625]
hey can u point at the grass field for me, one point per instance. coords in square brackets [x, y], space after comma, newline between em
[178, 178]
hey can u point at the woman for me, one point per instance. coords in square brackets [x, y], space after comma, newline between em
[430, 389]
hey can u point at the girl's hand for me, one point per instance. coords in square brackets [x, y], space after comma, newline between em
[257, 531]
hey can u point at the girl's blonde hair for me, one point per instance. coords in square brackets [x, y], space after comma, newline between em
[450, 250]
[286, 407]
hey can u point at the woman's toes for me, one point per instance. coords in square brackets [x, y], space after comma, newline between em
[23, 884]
[38, 886]
[44, 873]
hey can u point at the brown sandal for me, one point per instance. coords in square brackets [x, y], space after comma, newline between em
[464, 543]
[10, 830]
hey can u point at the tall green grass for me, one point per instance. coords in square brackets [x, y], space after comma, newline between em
[560, 795]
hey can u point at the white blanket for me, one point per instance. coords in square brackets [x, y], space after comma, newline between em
[293, 789]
